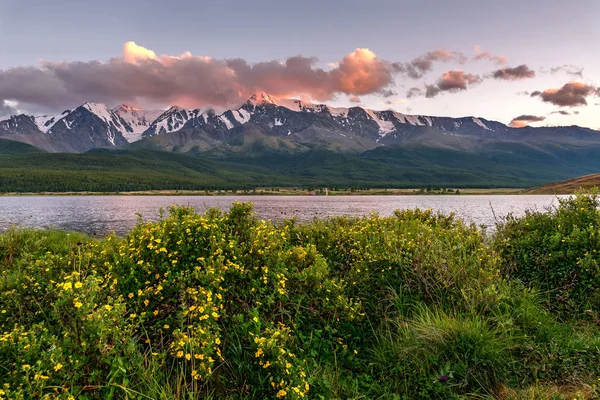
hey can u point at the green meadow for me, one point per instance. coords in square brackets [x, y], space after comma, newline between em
[223, 305]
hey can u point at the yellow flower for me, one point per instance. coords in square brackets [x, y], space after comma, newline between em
[108, 307]
[281, 393]
[180, 354]
[132, 315]
[255, 319]
[166, 326]
[130, 295]
[78, 304]
[78, 285]
[188, 357]
[67, 285]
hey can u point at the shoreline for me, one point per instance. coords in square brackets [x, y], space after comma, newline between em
[282, 192]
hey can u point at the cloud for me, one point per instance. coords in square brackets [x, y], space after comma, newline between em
[418, 67]
[572, 94]
[7, 108]
[486, 55]
[524, 120]
[516, 73]
[452, 81]
[396, 101]
[561, 112]
[569, 69]
[414, 92]
[141, 77]
[354, 99]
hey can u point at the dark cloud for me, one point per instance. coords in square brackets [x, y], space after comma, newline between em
[418, 67]
[414, 92]
[141, 77]
[516, 73]
[572, 94]
[486, 55]
[561, 112]
[523, 120]
[572, 70]
[452, 81]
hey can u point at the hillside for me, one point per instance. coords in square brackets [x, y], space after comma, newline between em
[12, 147]
[104, 170]
[568, 186]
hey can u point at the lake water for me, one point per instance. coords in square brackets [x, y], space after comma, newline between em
[99, 215]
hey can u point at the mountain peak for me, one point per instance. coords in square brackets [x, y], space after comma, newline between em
[125, 108]
[174, 109]
[262, 98]
[100, 109]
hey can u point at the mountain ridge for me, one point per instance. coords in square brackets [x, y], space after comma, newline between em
[355, 128]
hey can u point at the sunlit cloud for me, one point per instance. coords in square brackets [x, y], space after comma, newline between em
[486, 55]
[141, 77]
[524, 120]
[572, 94]
[452, 81]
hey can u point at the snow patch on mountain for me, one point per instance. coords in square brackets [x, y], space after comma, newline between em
[481, 124]
[226, 121]
[137, 120]
[385, 126]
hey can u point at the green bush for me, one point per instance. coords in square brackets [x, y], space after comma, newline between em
[557, 252]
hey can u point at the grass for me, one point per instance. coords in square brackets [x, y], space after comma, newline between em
[222, 305]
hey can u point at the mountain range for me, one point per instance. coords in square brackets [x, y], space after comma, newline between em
[288, 140]
[278, 124]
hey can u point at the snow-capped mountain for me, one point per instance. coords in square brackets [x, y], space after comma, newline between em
[135, 121]
[170, 121]
[290, 122]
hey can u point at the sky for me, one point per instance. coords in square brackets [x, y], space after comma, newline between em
[521, 62]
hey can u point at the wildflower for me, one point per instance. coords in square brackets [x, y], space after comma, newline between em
[67, 285]
[77, 303]
[108, 307]
[132, 315]
[78, 285]
[166, 326]
[281, 393]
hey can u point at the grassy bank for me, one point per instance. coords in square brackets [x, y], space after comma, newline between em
[222, 305]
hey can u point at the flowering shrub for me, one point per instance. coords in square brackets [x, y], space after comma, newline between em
[224, 305]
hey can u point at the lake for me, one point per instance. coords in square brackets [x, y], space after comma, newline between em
[99, 215]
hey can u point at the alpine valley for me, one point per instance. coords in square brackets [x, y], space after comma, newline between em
[281, 142]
